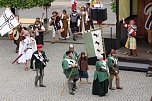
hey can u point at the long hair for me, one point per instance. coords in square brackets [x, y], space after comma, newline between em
[85, 57]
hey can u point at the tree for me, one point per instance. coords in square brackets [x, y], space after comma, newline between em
[113, 6]
[24, 4]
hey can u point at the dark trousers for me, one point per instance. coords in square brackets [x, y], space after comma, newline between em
[72, 82]
[74, 30]
[16, 42]
[39, 39]
[39, 75]
[90, 23]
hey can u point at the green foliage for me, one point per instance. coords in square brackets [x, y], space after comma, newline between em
[113, 6]
[22, 4]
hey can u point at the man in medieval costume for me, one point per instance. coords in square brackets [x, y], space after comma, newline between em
[90, 21]
[74, 23]
[15, 35]
[40, 62]
[131, 41]
[57, 24]
[38, 29]
[114, 70]
[74, 53]
[101, 77]
[70, 69]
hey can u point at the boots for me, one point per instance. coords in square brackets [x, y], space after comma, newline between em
[17, 48]
[131, 52]
[70, 86]
[110, 85]
[135, 51]
[36, 80]
[53, 40]
[118, 83]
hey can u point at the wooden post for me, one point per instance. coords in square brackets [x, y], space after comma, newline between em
[118, 28]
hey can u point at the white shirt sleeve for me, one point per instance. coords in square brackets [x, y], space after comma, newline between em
[87, 18]
[78, 24]
[61, 24]
[62, 16]
[50, 20]
[42, 28]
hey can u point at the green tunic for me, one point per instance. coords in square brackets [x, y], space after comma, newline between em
[75, 56]
[67, 68]
[101, 72]
[112, 60]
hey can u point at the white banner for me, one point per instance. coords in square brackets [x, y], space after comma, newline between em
[7, 22]
[97, 42]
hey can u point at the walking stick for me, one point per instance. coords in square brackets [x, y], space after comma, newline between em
[20, 55]
[67, 80]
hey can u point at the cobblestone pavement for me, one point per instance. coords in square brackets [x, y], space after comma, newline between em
[16, 84]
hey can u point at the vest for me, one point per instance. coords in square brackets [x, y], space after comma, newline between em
[73, 20]
[56, 23]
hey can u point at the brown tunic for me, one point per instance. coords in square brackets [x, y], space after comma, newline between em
[83, 63]
[65, 26]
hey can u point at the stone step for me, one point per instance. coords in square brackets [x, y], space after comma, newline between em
[133, 66]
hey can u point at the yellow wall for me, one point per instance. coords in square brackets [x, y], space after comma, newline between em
[124, 9]
[134, 7]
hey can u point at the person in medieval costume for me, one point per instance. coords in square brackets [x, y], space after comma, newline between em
[84, 20]
[40, 59]
[101, 77]
[65, 19]
[114, 70]
[90, 21]
[74, 53]
[83, 67]
[131, 41]
[57, 24]
[27, 46]
[74, 23]
[16, 34]
[38, 29]
[70, 69]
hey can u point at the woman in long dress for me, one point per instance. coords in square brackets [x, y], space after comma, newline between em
[101, 78]
[131, 43]
[84, 18]
[64, 19]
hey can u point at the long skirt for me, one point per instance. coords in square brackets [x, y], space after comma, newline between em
[100, 88]
[83, 74]
[131, 43]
